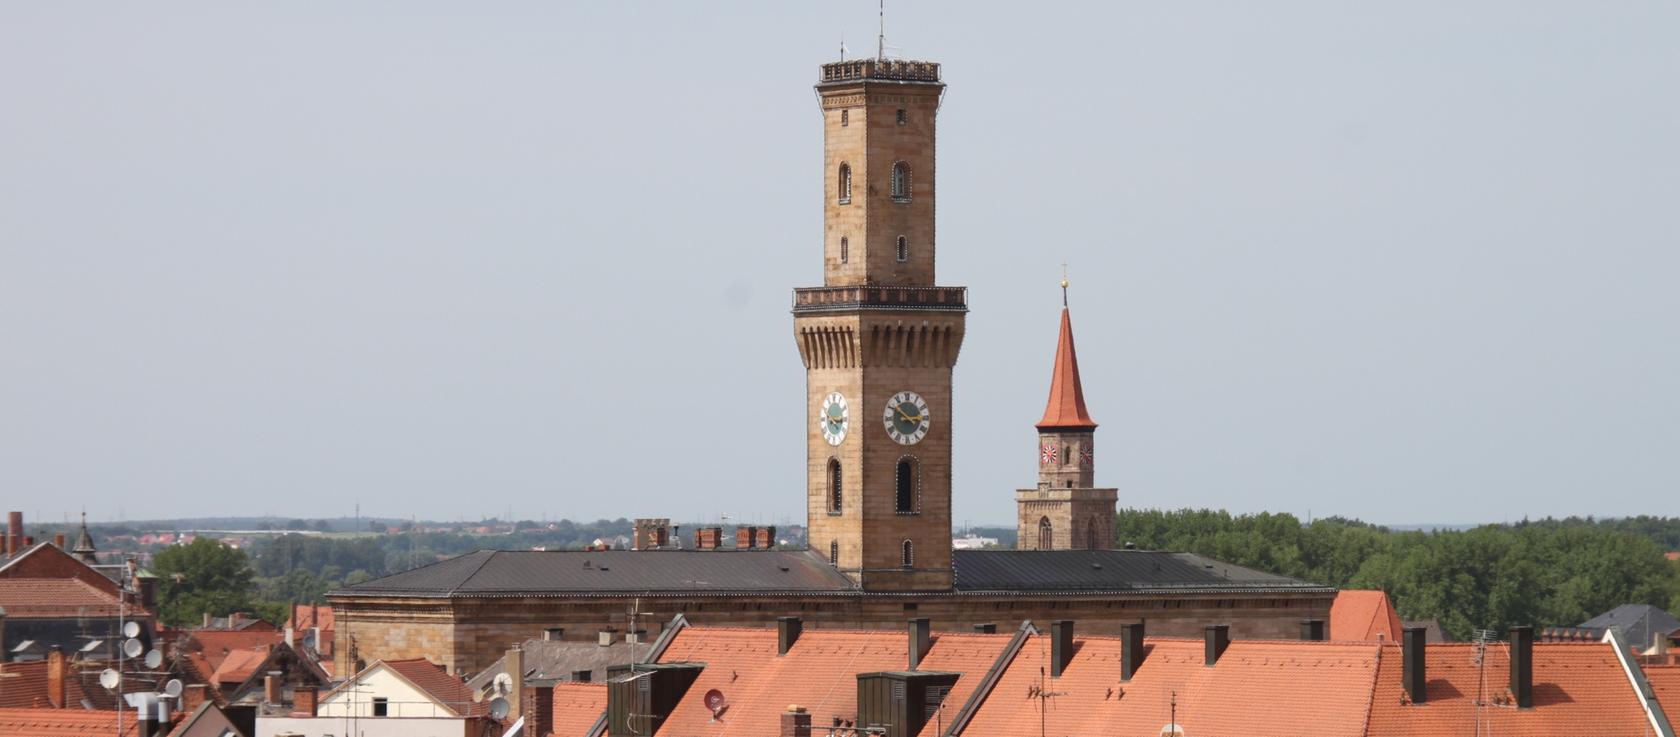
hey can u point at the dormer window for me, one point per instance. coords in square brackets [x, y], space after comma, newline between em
[844, 185]
[900, 182]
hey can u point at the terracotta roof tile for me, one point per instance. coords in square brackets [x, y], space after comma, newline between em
[1665, 682]
[1364, 616]
[307, 616]
[1579, 689]
[818, 673]
[577, 706]
[1257, 688]
[63, 723]
[216, 645]
[238, 666]
[24, 686]
[42, 598]
[1066, 408]
[451, 691]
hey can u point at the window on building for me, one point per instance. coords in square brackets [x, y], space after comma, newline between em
[381, 707]
[1044, 533]
[900, 182]
[907, 554]
[903, 116]
[834, 553]
[903, 249]
[845, 250]
[845, 118]
[845, 184]
[834, 493]
[905, 499]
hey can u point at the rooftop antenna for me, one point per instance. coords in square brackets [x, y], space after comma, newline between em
[842, 46]
[881, 40]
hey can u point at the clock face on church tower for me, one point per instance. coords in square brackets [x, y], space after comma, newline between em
[906, 418]
[834, 419]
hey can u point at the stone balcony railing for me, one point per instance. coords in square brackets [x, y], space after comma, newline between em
[898, 70]
[835, 299]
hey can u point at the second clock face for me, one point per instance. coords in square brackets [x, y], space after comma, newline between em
[907, 418]
[834, 419]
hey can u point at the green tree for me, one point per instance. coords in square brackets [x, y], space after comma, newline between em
[203, 576]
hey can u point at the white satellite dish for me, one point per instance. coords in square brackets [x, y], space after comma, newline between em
[110, 679]
[131, 629]
[503, 683]
[154, 659]
[498, 708]
[133, 648]
[172, 689]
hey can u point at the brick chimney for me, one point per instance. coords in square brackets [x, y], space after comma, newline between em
[538, 708]
[271, 687]
[514, 665]
[766, 539]
[306, 701]
[708, 538]
[194, 695]
[746, 538]
[57, 672]
[58, 540]
[14, 532]
[796, 722]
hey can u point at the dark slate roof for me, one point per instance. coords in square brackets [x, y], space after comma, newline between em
[549, 661]
[687, 572]
[1639, 622]
[1108, 570]
[638, 572]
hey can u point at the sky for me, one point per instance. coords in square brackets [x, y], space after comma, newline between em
[1408, 262]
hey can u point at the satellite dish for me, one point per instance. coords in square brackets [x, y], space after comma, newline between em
[172, 689]
[498, 708]
[131, 629]
[154, 659]
[133, 648]
[110, 679]
[716, 703]
[503, 683]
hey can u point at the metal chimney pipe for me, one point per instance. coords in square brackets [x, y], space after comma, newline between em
[1061, 646]
[1131, 650]
[1414, 664]
[1522, 665]
[787, 633]
[920, 640]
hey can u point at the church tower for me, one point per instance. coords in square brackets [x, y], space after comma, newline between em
[1065, 512]
[879, 339]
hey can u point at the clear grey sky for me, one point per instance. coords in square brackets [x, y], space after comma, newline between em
[1406, 261]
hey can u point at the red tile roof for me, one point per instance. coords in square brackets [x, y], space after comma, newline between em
[1066, 408]
[1579, 689]
[1258, 687]
[24, 686]
[216, 645]
[1665, 682]
[449, 690]
[1364, 616]
[54, 598]
[238, 666]
[305, 616]
[63, 723]
[818, 673]
[1672, 555]
[577, 706]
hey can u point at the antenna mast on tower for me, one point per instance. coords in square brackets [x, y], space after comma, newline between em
[881, 40]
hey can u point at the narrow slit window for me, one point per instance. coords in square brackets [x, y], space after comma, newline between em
[903, 249]
[834, 492]
[845, 118]
[844, 186]
[834, 553]
[1044, 540]
[907, 554]
[845, 250]
[905, 498]
[900, 182]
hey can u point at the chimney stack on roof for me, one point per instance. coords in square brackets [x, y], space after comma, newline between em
[514, 666]
[708, 538]
[988, 628]
[57, 674]
[1131, 650]
[1061, 646]
[305, 701]
[538, 710]
[1414, 666]
[787, 633]
[271, 687]
[193, 695]
[920, 629]
[1522, 666]
[14, 532]
[746, 538]
[604, 638]
[58, 540]
[1312, 630]
[766, 538]
[1216, 639]
[796, 722]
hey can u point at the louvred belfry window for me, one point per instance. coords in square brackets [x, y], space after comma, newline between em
[1044, 539]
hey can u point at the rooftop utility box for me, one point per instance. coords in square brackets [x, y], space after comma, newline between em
[902, 702]
[640, 698]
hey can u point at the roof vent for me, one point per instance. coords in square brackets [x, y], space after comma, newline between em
[1131, 650]
[920, 640]
[1131, 545]
[1061, 646]
[787, 633]
[1412, 664]
[1522, 666]
[1217, 638]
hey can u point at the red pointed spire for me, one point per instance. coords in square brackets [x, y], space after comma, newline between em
[1067, 398]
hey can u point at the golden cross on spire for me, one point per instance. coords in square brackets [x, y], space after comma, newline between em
[1064, 283]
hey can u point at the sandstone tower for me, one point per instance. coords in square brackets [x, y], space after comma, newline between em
[879, 339]
[1065, 512]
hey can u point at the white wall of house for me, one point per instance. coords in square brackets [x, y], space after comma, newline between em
[401, 698]
[369, 727]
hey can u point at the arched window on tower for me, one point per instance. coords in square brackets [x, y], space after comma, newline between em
[835, 497]
[845, 184]
[907, 554]
[1091, 534]
[1044, 533]
[903, 249]
[834, 553]
[845, 250]
[907, 479]
[900, 182]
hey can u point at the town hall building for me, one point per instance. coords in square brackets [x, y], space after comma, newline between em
[879, 340]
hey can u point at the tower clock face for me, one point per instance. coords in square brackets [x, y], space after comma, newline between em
[834, 418]
[906, 418]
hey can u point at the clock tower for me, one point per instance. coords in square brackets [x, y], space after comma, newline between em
[879, 339]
